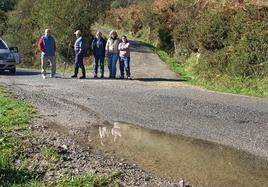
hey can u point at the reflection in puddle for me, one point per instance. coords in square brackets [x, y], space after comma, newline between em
[200, 162]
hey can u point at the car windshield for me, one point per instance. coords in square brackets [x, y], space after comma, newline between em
[2, 45]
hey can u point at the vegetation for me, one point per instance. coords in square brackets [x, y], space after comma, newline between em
[28, 21]
[222, 44]
[14, 118]
[4, 7]
[87, 180]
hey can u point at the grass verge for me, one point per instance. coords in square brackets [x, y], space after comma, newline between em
[14, 119]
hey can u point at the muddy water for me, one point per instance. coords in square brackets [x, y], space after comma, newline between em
[200, 162]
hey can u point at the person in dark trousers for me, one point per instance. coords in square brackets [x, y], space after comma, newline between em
[79, 50]
[98, 48]
[47, 47]
[124, 58]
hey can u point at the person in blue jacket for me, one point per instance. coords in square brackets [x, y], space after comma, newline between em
[98, 49]
[47, 47]
[79, 50]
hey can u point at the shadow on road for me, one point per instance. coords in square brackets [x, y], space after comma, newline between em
[160, 80]
[139, 47]
[21, 73]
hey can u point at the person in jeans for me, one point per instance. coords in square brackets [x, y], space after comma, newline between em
[124, 58]
[79, 50]
[112, 53]
[47, 47]
[98, 48]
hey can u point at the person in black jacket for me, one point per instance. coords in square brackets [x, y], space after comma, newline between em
[98, 48]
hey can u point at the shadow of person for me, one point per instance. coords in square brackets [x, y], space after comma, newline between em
[161, 80]
[21, 73]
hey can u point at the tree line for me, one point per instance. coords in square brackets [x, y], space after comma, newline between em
[221, 41]
[27, 20]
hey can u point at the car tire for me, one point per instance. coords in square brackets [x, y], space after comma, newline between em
[12, 71]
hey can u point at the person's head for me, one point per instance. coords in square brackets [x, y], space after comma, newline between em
[78, 33]
[124, 39]
[48, 32]
[99, 35]
[113, 34]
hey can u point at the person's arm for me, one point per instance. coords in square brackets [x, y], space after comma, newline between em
[92, 44]
[123, 47]
[127, 46]
[120, 47]
[81, 46]
[107, 48]
[41, 45]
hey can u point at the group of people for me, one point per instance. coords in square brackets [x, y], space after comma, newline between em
[114, 49]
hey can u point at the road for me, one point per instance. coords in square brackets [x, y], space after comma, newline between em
[154, 100]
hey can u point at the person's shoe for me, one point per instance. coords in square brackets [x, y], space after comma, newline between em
[82, 77]
[95, 76]
[121, 77]
[129, 78]
[44, 77]
[74, 76]
[52, 76]
[102, 76]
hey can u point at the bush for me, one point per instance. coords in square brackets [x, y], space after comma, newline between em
[30, 18]
[213, 30]
[243, 50]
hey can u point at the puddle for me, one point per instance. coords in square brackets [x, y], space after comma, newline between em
[199, 162]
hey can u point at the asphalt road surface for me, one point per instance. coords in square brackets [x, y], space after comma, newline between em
[154, 100]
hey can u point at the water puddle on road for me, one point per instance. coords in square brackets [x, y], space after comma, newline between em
[199, 162]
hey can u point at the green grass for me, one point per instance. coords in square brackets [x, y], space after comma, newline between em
[87, 180]
[51, 154]
[184, 72]
[15, 116]
[173, 64]
[228, 85]
[13, 113]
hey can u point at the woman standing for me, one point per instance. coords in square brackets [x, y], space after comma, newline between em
[124, 56]
[98, 48]
[113, 53]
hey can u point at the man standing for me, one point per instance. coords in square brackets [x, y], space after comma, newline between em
[98, 48]
[47, 47]
[79, 50]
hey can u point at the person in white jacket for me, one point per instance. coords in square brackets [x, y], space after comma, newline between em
[113, 53]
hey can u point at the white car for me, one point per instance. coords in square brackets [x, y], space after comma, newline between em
[9, 57]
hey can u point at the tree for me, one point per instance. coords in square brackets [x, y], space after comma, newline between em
[28, 22]
[7, 5]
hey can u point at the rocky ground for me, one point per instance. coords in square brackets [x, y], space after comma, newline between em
[73, 160]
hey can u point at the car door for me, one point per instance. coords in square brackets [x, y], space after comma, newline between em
[15, 52]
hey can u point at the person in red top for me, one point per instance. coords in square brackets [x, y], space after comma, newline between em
[47, 47]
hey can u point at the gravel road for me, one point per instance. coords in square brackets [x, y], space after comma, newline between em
[155, 101]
